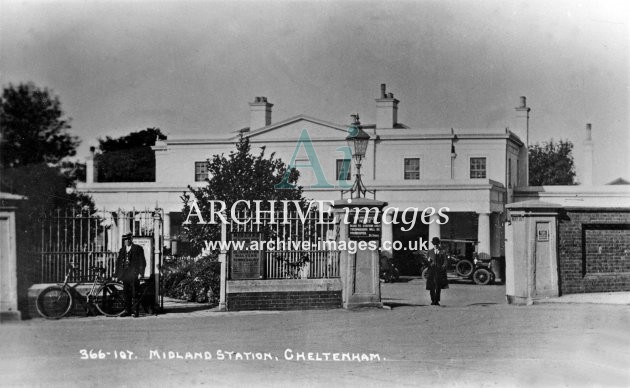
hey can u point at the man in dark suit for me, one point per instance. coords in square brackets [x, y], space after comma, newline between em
[436, 275]
[129, 268]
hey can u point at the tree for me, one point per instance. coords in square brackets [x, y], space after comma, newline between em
[33, 127]
[551, 163]
[239, 176]
[34, 141]
[74, 170]
[46, 189]
[128, 158]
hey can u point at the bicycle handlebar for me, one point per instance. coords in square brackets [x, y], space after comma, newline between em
[72, 267]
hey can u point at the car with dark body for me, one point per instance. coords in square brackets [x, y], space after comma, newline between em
[463, 261]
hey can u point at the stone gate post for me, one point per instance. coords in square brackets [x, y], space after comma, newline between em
[223, 261]
[359, 270]
[8, 259]
[531, 265]
[156, 260]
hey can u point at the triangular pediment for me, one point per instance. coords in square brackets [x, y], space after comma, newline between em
[291, 128]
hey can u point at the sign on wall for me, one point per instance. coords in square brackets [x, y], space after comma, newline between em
[245, 263]
[542, 231]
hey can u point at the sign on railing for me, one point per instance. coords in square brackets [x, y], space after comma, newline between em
[246, 263]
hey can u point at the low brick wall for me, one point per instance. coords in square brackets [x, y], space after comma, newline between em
[283, 294]
[594, 250]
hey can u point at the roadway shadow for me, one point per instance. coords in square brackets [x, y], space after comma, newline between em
[394, 305]
[175, 306]
[405, 279]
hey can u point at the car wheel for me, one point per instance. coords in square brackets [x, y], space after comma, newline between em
[482, 276]
[464, 268]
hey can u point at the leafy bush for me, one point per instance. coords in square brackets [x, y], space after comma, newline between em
[194, 280]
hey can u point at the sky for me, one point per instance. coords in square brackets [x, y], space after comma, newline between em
[191, 67]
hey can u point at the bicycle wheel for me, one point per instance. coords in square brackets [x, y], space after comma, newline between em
[110, 299]
[54, 302]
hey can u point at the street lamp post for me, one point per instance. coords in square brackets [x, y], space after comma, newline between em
[357, 140]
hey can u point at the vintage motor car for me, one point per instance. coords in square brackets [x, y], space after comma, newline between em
[464, 261]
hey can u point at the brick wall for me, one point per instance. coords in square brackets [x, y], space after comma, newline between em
[594, 250]
[287, 300]
[283, 294]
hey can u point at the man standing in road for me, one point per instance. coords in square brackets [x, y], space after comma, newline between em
[129, 268]
[436, 275]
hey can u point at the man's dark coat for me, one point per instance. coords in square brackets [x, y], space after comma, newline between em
[436, 275]
[130, 265]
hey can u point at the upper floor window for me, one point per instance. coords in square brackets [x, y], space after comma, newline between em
[509, 173]
[201, 171]
[477, 168]
[411, 168]
[342, 170]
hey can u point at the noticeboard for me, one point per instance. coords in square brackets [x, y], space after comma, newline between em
[367, 232]
[246, 263]
[147, 246]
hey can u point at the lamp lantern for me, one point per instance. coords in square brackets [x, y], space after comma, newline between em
[357, 140]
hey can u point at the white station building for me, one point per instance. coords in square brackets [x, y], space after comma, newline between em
[473, 172]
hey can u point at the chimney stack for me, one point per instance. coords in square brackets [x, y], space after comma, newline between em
[91, 166]
[521, 130]
[386, 109]
[587, 168]
[522, 120]
[260, 113]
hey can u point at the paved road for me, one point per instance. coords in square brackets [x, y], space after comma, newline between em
[475, 339]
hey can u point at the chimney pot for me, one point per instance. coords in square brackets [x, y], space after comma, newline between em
[383, 88]
[588, 131]
[523, 102]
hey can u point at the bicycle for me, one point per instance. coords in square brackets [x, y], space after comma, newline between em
[107, 296]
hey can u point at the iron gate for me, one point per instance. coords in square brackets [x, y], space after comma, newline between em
[84, 239]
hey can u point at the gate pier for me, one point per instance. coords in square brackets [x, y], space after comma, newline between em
[361, 286]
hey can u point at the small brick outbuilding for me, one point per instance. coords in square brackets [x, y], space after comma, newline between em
[590, 241]
[593, 249]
